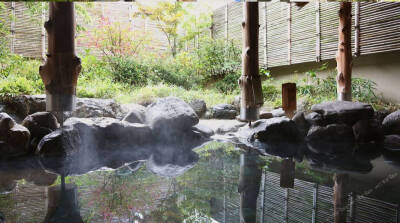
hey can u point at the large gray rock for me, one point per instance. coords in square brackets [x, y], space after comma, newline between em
[343, 111]
[331, 139]
[170, 114]
[95, 107]
[314, 118]
[301, 123]
[392, 143]
[136, 114]
[84, 144]
[367, 131]
[40, 124]
[94, 134]
[15, 142]
[199, 106]
[6, 123]
[223, 111]
[274, 130]
[23, 105]
[391, 124]
[236, 102]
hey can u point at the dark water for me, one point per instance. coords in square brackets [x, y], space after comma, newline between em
[225, 184]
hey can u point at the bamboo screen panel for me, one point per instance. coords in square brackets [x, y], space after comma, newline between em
[219, 23]
[25, 32]
[289, 35]
[303, 34]
[379, 27]
[277, 33]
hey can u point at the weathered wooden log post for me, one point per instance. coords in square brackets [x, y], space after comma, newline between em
[343, 55]
[340, 197]
[289, 99]
[250, 81]
[63, 203]
[61, 70]
[288, 168]
[249, 186]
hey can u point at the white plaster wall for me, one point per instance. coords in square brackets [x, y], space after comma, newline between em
[382, 68]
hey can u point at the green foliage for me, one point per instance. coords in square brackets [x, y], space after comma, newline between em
[216, 59]
[4, 30]
[19, 75]
[167, 15]
[150, 93]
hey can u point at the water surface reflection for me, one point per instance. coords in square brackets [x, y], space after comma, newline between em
[221, 183]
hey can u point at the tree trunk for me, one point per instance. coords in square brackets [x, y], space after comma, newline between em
[249, 186]
[61, 70]
[250, 81]
[343, 55]
[340, 197]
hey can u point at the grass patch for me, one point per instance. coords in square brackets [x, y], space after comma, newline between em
[150, 93]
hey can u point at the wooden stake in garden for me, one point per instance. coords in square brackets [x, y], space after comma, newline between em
[250, 81]
[62, 67]
[343, 55]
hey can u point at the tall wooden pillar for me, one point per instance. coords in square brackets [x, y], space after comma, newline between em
[62, 67]
[344, 55]
[250, 81]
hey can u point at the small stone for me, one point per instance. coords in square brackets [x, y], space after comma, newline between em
[265, 115]
[199, 106]
[391, 123]
[224, 111]
[279, 112]
[137, 114]
[203, 129]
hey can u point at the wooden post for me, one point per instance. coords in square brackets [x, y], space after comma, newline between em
[12, 27]
[43, 34]
[289, 41]
[226, 21]
[61, 70]
[249, 186]
[289, 101]
[340, 198]
[344, 55]
[357, 30]
[318, 32]
[287, 173]
[314, 210]
[250, 81]
[63, 204]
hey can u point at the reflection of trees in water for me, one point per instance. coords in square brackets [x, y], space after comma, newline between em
[201, 191]
[124, 196]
